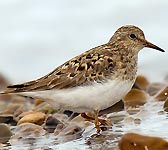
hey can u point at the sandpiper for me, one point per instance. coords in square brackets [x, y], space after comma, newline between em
[94, 80]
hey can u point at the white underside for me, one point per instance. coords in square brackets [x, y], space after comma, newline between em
[97, 96]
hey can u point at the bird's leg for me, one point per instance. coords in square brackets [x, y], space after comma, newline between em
[102, 121]
[96, 121]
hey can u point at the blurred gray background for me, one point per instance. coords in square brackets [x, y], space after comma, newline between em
[38, 35]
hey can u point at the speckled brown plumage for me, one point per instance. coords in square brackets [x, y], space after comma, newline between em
[116, 59]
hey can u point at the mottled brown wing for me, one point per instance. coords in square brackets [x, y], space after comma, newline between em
[94, 64]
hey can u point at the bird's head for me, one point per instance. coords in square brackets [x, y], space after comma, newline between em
[132, 38]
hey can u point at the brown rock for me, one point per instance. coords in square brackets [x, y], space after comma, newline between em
[33, 117]
[135, 97]
[162, 94]
[45, 108]
[141, 82]
[133, 141]
[38, 101]
[51, 123]
[153, 88]
[115, 108]
[5, 133]
[28, 130]
[166, 105]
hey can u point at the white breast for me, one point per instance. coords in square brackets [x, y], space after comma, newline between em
[97, 96]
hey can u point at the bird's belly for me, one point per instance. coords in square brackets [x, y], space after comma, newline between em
[97, 96]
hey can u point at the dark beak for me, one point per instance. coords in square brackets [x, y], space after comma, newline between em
[150, 45]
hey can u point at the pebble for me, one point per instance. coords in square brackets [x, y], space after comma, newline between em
[68, 133]
[141, 82]
[137, 121]
[119, 106]
[7, 118]
[26, 130]
[51, 123]
[162, 94]
[33, 117]
[133, 141]
[135, 97]
[45, 108]
[5, 133]
[165, 106]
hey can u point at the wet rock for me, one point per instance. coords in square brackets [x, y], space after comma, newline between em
[154, 88]
[59, 128]
[105, 141]
[133, 141]
[132, 110]
[71, 129]
[162, 94]
[5, 133]
[26, 130]
[8, 119]
[16, 106]
[68, 133]
[45, 108]
[141, 82]
[82, 122]
[38, 101]
[115, 118]
[11, 108]
[33, 117]
[115, 108]
[51, 123]
[135, 97]
[165, 106]
[137, 121]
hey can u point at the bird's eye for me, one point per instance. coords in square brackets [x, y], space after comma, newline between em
[133, 36]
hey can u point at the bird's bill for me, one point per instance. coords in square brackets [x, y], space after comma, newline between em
[150, 45]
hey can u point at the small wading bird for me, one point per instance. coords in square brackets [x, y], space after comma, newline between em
[94, 80]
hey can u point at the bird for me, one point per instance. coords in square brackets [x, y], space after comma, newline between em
[93, 80]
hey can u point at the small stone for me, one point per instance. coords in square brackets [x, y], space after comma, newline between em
[58, 129]
[33, 117]
[115, 118]
[115, 108]
[45, 108]
[162, 94]
[5, 133]
[8, 119]
[26, 130]
[132, 110]
[135, 97]
[133, 141]
[153, 88]
[38, 101]
[11, 108]
[137, 121]
[166, 105]
[51, 123]
[72, 131]
[141, 82]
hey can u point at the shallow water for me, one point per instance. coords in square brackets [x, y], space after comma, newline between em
[152, 120]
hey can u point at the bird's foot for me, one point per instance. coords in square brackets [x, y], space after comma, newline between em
[97, 121]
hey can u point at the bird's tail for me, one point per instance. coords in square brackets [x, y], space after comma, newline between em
[11, 89]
